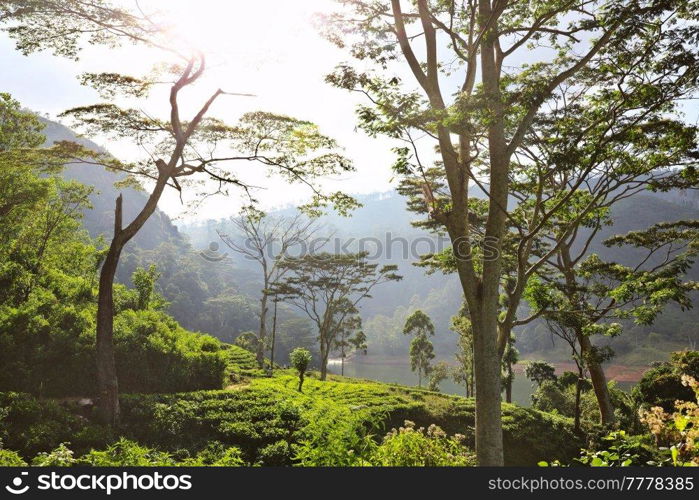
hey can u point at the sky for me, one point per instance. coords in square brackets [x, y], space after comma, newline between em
[269, 48]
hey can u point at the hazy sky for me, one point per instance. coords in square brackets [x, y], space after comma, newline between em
[269, 48]
[266, 47]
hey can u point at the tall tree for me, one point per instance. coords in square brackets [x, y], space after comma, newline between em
[420, 326]
[266, 240]
[328, 288]
[472, 51]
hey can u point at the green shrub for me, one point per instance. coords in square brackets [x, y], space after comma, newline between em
[335, 436]
[31, 426]
[662, 384]
[276, 454]
[47, 347]
[11, 459]
[411, 447]
[127, 453]
[60, 457]
[617, 449]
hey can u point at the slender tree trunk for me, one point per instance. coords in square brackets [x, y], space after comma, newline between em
[599, 381]
[274, 339]
[301, 381]
[578, 390]
[508, 387]
[262, 334]
[324, 352]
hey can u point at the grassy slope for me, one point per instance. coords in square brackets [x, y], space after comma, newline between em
[259, 414]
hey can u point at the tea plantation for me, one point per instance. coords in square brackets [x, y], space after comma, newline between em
[260, 420]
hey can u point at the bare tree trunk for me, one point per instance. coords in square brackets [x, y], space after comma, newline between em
[484, 305]
[107, 382]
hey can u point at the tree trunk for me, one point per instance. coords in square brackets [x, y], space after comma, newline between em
[300, 381]
[489, 447]
[324, 352]
[599, 382]
[578, 390]
[107, 382]
[508, 387]
[274, 338]
[262, 334]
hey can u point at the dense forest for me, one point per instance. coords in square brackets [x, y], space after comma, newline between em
[531, 266]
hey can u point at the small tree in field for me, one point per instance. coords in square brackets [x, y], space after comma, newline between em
[300, 359]
[439, 372]
[420, 325]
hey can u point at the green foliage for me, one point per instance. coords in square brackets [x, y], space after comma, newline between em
[328, 289]
[617, 450]
[540, 371]
[155, 354]
[144, 281]
[559, 398]
[31, 426]
[662, 384]
[411, 447]
[439, 372]
[335, 436]
[60, 457]
[300, 359]
[421, 348]
[269, 422]
[125, 452]
[11, 459]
